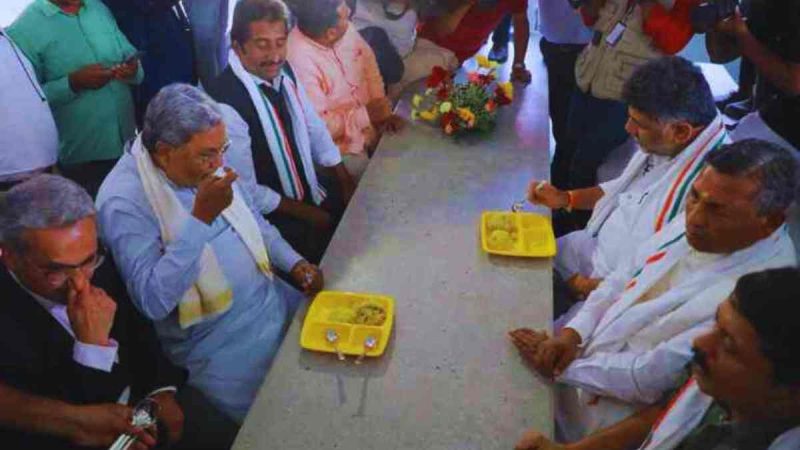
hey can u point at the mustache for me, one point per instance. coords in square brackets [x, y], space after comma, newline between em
[273, 63]
[699, 358]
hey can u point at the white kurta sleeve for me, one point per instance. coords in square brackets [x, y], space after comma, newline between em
[631, 376]
[599, 301]
[324, 151]
[240, 158]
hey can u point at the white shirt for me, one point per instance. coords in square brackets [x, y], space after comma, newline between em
[621, 224]
[28, 136]
[402, 32]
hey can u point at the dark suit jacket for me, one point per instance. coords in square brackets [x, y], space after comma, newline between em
[36, 356]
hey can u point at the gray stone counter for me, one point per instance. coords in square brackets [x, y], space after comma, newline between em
[450, 378]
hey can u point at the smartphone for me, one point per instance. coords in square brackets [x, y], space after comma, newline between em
[136, 55]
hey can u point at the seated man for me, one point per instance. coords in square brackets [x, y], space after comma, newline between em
[338, 69]
[672, 116]
[284, 139]
[196, 255]
[628, 343]
[745, 387]
[74, 354]
[464, 32]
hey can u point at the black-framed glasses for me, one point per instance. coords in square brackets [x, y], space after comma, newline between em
[58, 274]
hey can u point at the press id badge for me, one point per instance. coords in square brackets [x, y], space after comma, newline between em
[616, 34]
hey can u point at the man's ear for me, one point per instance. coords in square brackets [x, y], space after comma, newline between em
[162, 153]
[682, 132]
[237, 48]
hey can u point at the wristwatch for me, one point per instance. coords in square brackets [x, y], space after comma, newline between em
[518, 65]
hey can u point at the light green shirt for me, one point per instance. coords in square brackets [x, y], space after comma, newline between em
[92, 125]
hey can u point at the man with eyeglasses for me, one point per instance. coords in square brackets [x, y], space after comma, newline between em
[197, 257]
[74, 354]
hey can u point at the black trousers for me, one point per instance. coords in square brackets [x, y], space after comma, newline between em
[560, 62]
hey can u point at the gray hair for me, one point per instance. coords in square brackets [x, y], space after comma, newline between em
[774, 166]
[671, 89]
[249, 11]
[176, 113]
[44, 201]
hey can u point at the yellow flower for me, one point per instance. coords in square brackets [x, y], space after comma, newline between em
[414, 114]
[445, 107]
[508, 89]
[416, 100]
[429, 115]
[466, 114]
[483, 62]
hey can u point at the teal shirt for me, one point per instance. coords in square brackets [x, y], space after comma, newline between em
[92, 125]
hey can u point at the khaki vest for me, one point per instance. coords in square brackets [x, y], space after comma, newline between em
[601, 70]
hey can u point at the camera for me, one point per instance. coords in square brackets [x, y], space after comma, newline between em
[708, 14]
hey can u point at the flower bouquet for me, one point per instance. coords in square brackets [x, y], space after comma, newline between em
[463, 107]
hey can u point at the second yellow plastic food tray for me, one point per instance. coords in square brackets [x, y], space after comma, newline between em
[351, 336]
[521, 234]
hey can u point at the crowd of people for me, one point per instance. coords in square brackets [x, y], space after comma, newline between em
[167, 190]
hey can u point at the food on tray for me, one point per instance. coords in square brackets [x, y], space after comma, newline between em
[501, 239]
[370, 314]
[362, 314]
[500, 222]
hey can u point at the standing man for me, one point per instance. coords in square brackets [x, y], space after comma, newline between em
[28, 137]
[86, 67]
[209, 19]
[291, 154]
[770, 39]
[160, 29]
[564, 36]
[465, 31]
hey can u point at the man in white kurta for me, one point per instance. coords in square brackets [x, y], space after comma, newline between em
[629, 342]
[675, 122]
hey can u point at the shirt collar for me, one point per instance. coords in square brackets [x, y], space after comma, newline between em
[50, 9]
[276, 82]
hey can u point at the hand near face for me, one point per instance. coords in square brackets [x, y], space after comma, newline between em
[308, 276]
[91, 313]
[734, 26]
[214, 195]
[100, 425]
[533, 440]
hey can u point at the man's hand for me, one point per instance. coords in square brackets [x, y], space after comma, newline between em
[308, 277]
[170, 415]
[93, 76]
[393, 124]
[318, 218]
[520, 74]
[214, 195]
[527, 342]
[91, 313]
[544, 193]
[533, 440]
[582, 286]
[100, 425]
[554, 355]
[734, 26]
[126, 70]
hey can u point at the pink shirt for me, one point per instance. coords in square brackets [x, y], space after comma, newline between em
[340, 82]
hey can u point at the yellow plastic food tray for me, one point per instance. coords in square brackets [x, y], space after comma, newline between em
[351, 337]
[535, 238]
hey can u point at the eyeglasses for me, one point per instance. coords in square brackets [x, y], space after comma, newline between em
[58, 276]
[211, 156]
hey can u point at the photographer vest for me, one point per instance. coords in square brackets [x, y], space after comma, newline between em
[603, 68]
